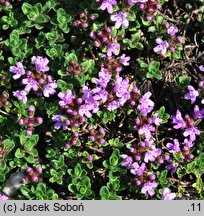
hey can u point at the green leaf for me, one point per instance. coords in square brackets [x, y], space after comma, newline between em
[113, 160]
[131, 15]
[183, 81]
[164, 116]
[90, 165]
[33, 140]
[26, 8]
[63, 86]
[71, 56]
[116, 143]
[3, 165]
[104, 191]
[151, 29]
[78, 170]
[30, 159]
[72, 188]
[135, 37]
[153, 72]
[112, 176]
[107, 116]
[41, 187]
[114, 185]
[51, 4]
[19, 153]
[9, 144]
[162, 177]
[143, 64]
[38, 7]
[88, 65]
[139, 46]
[25, 191]
[2, 177]
[178, 157]
[42, 18]
[51, 107]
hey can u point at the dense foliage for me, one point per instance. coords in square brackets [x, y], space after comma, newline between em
[102, 99]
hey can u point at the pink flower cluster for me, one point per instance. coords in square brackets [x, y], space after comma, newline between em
[30, 121]
[150, 7]
[34, 79]
[32, 175]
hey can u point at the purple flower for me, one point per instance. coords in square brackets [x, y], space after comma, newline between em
[91, 104]
[146, 105]
[113, 48]
[85, 110]
[121, 89]
[21, 95]
[174, 148]
[124, 60]
[156, 119]
[191, 132]
[192, 94]
[104, 77]
[94, 106]
[167, 195]
[127, 161]
[173, 167]
[124, 98]
[30, 84]
[201, 67]
[149, 188]
[4, 197]
[178, 120]
[201, 84]
[67, 98]
[40, 63]
[113, 105]
[137, 170]
[130, 2]
[100, 94]
[172, 30]
[49, 89]
[146, 131]
[18, 71]
[152, 154]
[198, 114]
[121, 86]
[162, 47]
[108, 4]
[188, 143]
[61, 121]
[120, 18]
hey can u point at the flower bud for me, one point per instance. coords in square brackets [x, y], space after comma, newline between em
[152, 177]
[35, 178]
[92, 17]
[31, 109]
[97, 43]
[39, 120]
[92, 138]
[138, 182]
[132, 103]
[39, 169]
[29, 132]
[142, 6]
[21, 122]
[137, 157]
[102, 131]
[85, 24]
[74, 142]
[7, 3]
